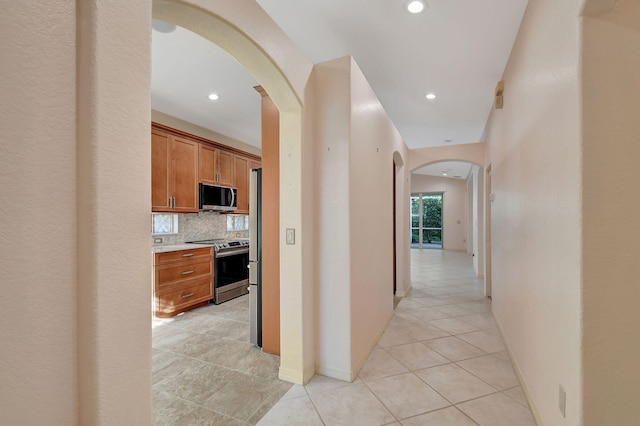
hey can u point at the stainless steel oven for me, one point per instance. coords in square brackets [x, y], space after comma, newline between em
[230, 268]
[231, 274]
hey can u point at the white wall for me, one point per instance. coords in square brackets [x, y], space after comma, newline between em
[611, 208]
[355, 142]
[534, 150]
[454, 207]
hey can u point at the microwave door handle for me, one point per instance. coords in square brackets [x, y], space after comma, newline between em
[233, 198]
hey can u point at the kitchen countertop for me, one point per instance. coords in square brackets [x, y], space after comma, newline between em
[176, 247]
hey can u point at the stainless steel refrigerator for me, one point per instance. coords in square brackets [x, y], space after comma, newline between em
[255, 256]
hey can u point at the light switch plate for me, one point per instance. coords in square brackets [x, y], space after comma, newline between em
[291, 236]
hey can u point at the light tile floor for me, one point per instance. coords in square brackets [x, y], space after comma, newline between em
[441, 361]
[205, 371]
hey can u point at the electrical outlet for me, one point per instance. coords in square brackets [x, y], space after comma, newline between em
[562, 401]
[291, 236]
[157, 240]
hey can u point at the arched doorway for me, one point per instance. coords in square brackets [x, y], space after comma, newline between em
[474, 215]
[230, 26]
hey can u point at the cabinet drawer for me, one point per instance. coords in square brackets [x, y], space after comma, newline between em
[180, 271]
[181, 255]
[176, 299]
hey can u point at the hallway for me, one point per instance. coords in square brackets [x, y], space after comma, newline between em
[441, 361]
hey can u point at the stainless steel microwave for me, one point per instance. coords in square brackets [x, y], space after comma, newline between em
[219, 198]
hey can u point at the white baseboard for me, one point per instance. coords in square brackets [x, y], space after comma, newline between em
[295, 376]
[363, 358]
[335, 373]
[523, 385]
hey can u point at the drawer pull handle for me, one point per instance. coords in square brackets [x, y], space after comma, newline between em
[187, 255]
[187, 272]
[184, 296]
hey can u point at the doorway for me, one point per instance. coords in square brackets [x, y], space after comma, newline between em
[285, 86]
[487, 236]
[426, 220]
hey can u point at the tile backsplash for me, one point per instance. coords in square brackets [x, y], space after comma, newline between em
[204, 225]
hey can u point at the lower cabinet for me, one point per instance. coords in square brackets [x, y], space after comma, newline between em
[182, 280]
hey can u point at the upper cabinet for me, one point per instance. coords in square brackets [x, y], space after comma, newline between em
[174, 178]
[243, 166]
[215, 165]
[180, 160]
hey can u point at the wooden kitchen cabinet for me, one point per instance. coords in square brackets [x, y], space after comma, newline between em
[215, 165]
[182, 280]
[174, 179]
[180, 160]
[242, 167]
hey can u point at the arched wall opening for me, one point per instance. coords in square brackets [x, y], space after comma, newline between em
[284, 79]
[473, 236]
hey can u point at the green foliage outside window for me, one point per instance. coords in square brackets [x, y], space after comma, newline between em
[431, 218]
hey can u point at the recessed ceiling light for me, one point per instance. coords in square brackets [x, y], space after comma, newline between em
[415, 6]
[214, 96]
[430, 96]
[162, 26]
[444, 173]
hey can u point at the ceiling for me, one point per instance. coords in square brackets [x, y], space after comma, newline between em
[457, 49]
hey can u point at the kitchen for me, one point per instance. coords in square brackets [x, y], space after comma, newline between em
[204, 319]
[185, 159]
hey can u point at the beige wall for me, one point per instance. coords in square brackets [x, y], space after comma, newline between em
[611, 208]
[374, 140]
[74, 184]
[454, 206]
[331, 87]
[535, 151]
[355, 143]
[38, 358]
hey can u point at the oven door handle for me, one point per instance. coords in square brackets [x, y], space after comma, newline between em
[234, 252]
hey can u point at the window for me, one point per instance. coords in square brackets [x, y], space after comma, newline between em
[165, 223]
[237, 222]
[426, 220]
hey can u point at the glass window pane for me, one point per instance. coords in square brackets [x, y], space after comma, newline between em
[415, 236]
[164, 223]
[237, 222]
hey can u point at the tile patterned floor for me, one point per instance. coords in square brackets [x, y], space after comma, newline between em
[441, 361]
[205, 371]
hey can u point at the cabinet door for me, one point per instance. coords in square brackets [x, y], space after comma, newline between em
[207, 159]
[160, 171]
[184, 162]
[225, 168]
[253, 164]
[242, 183]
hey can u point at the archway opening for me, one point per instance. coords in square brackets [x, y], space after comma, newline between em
[296, 362]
